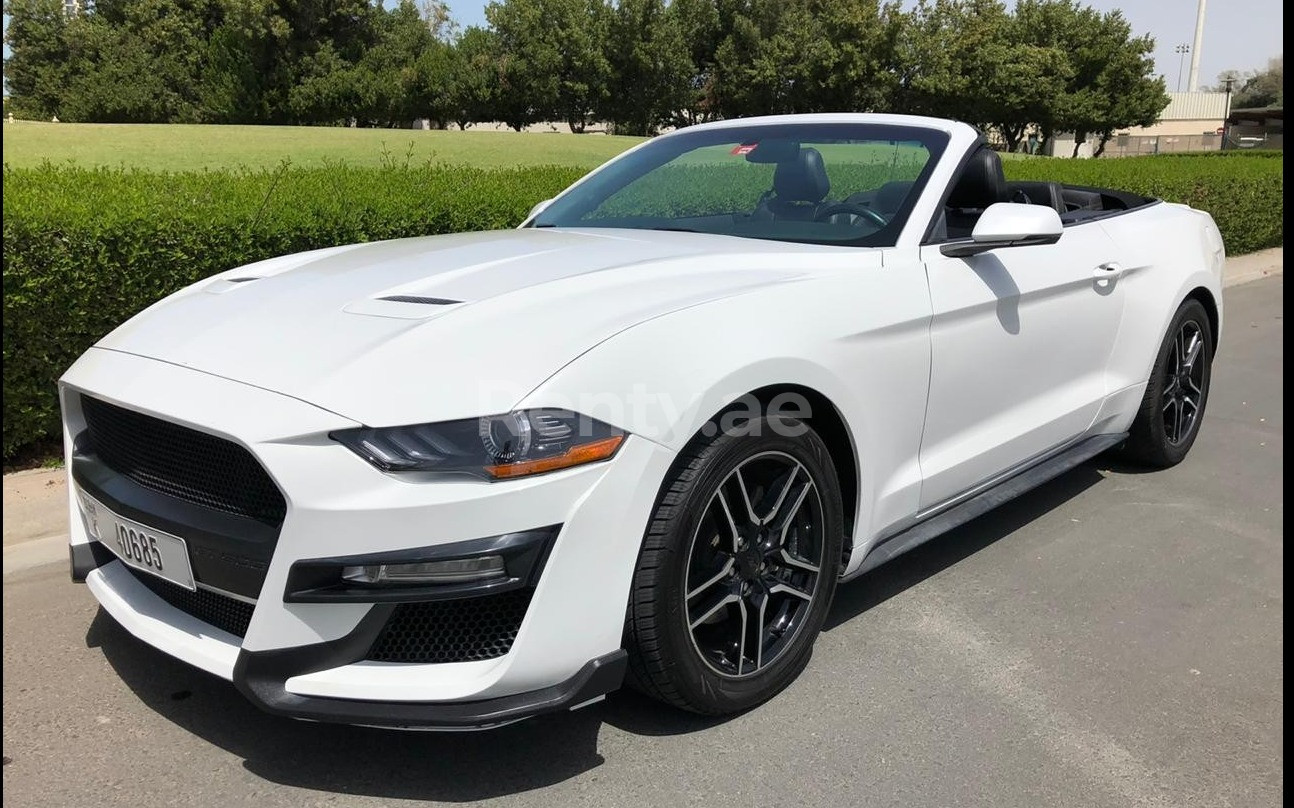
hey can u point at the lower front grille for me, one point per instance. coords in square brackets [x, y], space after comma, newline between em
[452, 630]
[221, 611]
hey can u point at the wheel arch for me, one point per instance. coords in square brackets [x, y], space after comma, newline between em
[1205, 298]
[825, 418]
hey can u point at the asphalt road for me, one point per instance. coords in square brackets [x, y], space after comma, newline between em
[1113, 639]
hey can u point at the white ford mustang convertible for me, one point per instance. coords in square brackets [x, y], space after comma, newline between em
[456, 481]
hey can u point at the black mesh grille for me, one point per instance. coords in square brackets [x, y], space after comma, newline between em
[212, 608]
[181, 462]
[452, 630]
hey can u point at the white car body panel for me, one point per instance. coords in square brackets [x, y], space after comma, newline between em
[842, 335]
[946, 372]
[299, 332]
[1029, 320]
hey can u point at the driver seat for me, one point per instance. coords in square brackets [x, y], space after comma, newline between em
[799, 186]
[980, 185]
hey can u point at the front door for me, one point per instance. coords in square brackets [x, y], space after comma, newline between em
[1020, 340]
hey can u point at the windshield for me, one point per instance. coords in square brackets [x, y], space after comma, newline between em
[849, 184]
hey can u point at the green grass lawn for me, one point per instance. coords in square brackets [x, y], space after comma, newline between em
[178, 147]
[165, 147]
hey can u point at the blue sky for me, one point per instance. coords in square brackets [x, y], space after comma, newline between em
[1238, 34]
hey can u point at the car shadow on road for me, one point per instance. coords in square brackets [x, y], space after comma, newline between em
[461, 767]
[875, 587]
[450, 767]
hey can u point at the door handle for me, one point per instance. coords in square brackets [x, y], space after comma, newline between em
[1108, 271]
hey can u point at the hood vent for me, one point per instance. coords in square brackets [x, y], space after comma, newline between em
[240, 280]
[426, 301]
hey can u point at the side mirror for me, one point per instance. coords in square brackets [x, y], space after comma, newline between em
[1009, 224]
[538, 208]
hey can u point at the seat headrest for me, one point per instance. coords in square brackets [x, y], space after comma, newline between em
[802, 179]
[981, 182]
[1037, 192]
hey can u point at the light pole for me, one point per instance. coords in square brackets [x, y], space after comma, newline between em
[1181, 51]
[1193, 81]
[1226, 121]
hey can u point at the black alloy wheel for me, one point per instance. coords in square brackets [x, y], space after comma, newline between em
[1177, 392]
[754, 564]
[1183, 399]
[738, 567]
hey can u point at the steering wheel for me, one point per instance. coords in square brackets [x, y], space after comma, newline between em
[855, 208]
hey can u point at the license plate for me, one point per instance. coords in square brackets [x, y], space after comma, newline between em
[139, 546]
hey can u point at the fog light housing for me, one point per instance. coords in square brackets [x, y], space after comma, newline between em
[451, 571]
[466, 569]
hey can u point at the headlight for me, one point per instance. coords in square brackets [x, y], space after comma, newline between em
[494, 447]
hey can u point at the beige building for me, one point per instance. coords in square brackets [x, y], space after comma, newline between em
[1188, 114]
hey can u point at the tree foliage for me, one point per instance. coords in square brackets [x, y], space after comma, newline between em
[1035, 67]
[650, 69]
[1257, 88]
[552, 59]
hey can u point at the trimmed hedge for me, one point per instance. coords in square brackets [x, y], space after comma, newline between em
[1243, 191]
[84, 249]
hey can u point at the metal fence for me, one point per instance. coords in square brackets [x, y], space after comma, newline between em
[1132, 145]
[1249, 139]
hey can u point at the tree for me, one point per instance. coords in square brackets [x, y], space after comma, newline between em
[1132, 96]
[1049, 65]
[699, 26]
[650, 73]
[330, 90]
[1264, 88]
[786, 56]
[1107, 83]
[950, 54]
[552, 59]
[852, 65]
[140, 61]
[472, 78]
[39, 64]
[398, 72]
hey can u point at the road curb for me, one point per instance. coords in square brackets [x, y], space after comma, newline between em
[1253, 266]
[34, 553]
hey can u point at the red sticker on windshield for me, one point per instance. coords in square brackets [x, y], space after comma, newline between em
[744, 148]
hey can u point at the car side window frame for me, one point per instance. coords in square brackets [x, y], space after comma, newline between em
[936, 231]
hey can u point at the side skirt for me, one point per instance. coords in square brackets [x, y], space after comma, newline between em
[985, 501]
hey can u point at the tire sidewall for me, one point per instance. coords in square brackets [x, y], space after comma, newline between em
[1172, 453]
[721, 457]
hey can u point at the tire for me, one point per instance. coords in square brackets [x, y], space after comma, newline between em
[792, 486]
[1172, 409]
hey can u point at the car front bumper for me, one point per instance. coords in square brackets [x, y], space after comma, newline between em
[308, 659]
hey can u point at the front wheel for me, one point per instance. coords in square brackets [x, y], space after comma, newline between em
[1178, 389]
[737, 569]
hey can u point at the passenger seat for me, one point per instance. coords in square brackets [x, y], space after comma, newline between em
[1035, 192]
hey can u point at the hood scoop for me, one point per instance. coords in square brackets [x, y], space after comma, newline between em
[403, 307]
[219, 287]
[423, 301]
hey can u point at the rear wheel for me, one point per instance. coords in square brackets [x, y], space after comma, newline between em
[1173, 406]
[738, 568]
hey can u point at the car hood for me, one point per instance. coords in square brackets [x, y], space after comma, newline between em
[442, 327]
